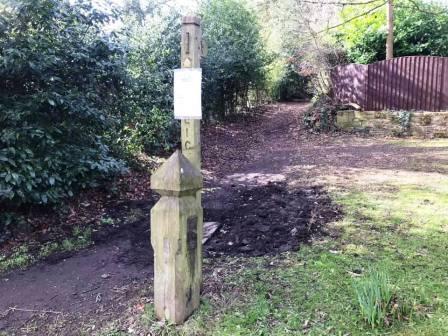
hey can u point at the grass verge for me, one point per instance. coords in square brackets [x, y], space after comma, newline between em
[22, 257]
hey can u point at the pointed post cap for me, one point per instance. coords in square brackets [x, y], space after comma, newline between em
[176, 177]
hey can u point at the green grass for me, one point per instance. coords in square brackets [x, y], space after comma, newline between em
[81, 238]
[375, 298]
[19, 258]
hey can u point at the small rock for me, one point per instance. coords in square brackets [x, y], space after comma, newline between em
[250, 221]
[284, 248]
[246, 248]
[105, 276]
[294, 232]
[263, 228]
[283, 212]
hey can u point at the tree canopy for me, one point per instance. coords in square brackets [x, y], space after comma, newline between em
[421, 28]
[236, 60]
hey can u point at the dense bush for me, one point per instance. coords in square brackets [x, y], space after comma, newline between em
[69, 91]
[147, 123]
[420, 29]
[77, 93]
[291, 85]
[234, 69]
[60, 78]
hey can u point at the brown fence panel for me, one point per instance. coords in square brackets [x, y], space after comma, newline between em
[405, 83]
[444, 85]
[349, 83]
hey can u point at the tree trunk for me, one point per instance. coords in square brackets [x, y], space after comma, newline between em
[390, 30]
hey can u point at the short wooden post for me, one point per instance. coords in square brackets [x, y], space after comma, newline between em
[176, 237]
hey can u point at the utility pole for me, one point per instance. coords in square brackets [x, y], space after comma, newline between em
[390, 30]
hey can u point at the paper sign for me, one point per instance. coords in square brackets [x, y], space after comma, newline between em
[187, 93]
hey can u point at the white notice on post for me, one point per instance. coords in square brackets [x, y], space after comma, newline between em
[187, 93]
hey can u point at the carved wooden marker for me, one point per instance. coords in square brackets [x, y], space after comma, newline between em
[176, 237]
[191, 52]
[176, 219]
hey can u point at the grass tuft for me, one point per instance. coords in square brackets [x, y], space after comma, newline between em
[374, 296]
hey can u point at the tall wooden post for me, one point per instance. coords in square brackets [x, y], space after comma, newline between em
[390, 30]
[191, 53]
[191, 58]
[177, 219]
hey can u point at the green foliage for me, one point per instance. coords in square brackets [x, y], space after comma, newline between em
[26, 254]
[235, 67]
[154, 50]
[19, 258]
[60, 77]
[8, 221]
[81, 238]
[420, 29]
[374, 296]
[48, 249]
[78, 98]
[290, 85]
[404, 118]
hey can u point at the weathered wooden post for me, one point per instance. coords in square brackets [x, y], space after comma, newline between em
[191, 52]
[176, 237]
[177, 219]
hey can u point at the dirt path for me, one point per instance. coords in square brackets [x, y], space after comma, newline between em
[263, 184]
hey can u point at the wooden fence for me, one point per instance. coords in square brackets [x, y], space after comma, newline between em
[404, 83]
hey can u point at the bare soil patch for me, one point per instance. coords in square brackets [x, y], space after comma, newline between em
[271, 219]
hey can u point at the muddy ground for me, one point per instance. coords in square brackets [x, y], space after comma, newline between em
[262, 184]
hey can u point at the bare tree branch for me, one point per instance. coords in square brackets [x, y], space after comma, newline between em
[353, 18]
[418, 7]
[338, 3]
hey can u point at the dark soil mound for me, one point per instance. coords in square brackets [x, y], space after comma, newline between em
[270, 219]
